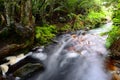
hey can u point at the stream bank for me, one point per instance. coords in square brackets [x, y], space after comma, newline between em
[70, 54]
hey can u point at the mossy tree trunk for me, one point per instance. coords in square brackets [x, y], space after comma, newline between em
[26, 13]
[19, 26]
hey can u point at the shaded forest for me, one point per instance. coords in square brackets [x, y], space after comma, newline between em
[25, 24]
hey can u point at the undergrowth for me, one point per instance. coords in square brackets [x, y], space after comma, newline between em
[44, 34]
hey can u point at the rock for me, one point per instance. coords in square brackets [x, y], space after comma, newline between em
[4, 68]
[27, 69]
[14, 59]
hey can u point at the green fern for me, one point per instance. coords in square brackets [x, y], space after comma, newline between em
[44, 34]
[114, 35]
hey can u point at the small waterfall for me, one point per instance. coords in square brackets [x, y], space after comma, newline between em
[105, 28]
[77, 58]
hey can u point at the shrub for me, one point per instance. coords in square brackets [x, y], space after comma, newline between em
[44, 34]
[114, 35]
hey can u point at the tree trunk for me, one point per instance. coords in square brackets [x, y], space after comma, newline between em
[7, 11]
[26, 13]
[19, 33]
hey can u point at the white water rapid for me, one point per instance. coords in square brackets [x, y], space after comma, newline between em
[77, 57]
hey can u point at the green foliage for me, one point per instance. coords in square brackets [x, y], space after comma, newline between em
[71, 5]
[114, 35]
[45, 33]
[37, 4]
[79, 23]
[91, 20]
[116, 15]
[76, 23]
[87, 4]
[95, 18]
[66, 5]
[66, 28]
[57, 9]
[76, 14]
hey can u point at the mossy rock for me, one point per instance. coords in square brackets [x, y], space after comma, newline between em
[28, 69]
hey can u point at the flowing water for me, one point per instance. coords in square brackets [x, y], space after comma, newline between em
[76, 57]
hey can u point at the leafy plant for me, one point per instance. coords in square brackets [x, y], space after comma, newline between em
[114, 35]
[96, 15]
[45, 33]
[116, 18]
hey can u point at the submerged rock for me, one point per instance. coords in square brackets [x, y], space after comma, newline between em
[27, 70]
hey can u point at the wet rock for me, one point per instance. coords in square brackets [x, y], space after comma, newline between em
[27, 70]
[4, 68]
[11, 60]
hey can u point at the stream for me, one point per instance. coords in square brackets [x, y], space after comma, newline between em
[78, 56]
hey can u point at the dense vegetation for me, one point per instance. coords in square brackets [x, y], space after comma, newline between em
[28, 22]
[113, 39]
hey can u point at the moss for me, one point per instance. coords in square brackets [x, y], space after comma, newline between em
[44, 34]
